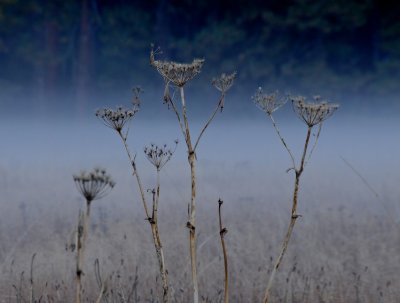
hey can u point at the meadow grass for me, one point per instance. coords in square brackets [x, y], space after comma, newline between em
[343, 252]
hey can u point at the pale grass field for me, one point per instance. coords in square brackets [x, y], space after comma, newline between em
[345, 247]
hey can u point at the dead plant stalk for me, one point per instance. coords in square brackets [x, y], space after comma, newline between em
[222, 233]
[311, 114]
[93, 185]
[117, 120]
[152, 219]
[293, 217]
[178, 74]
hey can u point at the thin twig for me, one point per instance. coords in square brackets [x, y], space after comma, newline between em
[363, 180]
[79, 256]
[99, 281]
[283, 140]
[314, 145]
[209, 121]
[32, 296]
[222, 233]
[133, 164]
[171, 101]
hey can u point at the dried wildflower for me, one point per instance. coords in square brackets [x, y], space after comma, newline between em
[116, 119]
[313, 113]
[159, 156]
[268, 102]
[94, 185]
[224, 82]
[177, 73]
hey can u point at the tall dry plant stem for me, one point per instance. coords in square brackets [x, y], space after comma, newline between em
[178, 74]
[293, 217]
[192, 209]
[117, 120]
[93, 185]
[311, 114]
[157, 242]
[32, 295]
[191, 149]
[152, 219]
[135, 173]
[81, 246]
[222, 233]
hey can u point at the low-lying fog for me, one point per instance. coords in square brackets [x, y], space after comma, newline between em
[351, 180]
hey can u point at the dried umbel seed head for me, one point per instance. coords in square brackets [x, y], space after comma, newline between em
[224, 82]
[313, 113]
[159, 156]
[94, 185]
[116, 119]
[177, 73]
[268, 102]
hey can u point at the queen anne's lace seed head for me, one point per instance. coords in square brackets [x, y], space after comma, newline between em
[94, 185]
[177, 73]
[268, 102]
[116, 119]
[313, 113]
[159, 155]
[224, 82]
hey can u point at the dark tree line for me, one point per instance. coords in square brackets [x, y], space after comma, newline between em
[85, 45]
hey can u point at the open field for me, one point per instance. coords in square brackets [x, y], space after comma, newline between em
[345, 247]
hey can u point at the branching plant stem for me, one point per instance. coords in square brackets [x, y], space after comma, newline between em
[183, 122]
[209, 120]
[282, 140]
[153, 220]
[294, 215]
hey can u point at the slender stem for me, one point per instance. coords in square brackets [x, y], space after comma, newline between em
[186, 122]
[192, 210]
[100, 296]
[139, 182]
[293, 219]
[79, 260]
[157, 242]
[300, 170]
[314, 145]
[222, 232]
[161, 261]
[178, 117]
[32, 296]
[209, 120]
[283, 141]
[157, 197]
[153, 220]
[81, 245]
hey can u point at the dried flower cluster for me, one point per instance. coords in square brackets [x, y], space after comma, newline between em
[177, 73]
[159, 156]
[94, 185]
[224, 82]
[313, 113]
[116, 119]
[268, 102]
